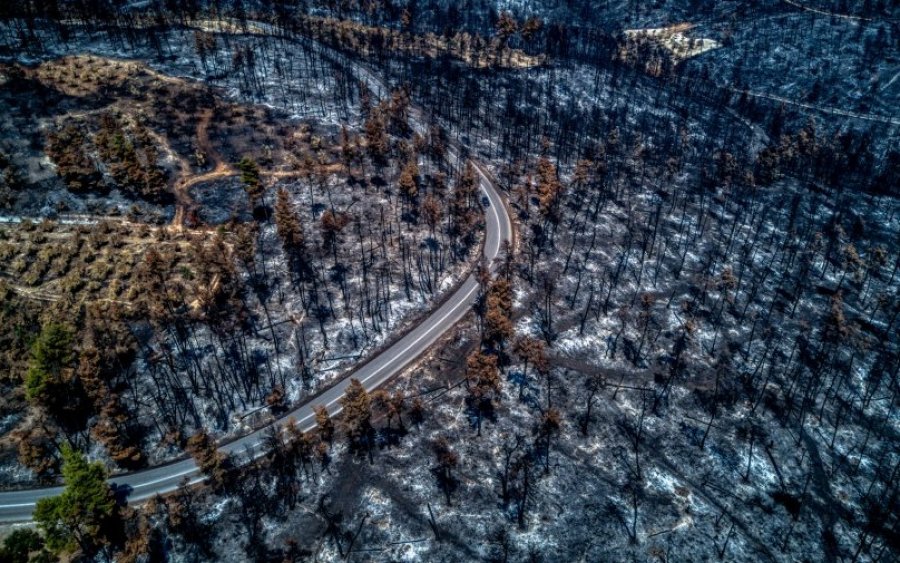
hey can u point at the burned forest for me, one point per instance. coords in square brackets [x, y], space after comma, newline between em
[427, 280]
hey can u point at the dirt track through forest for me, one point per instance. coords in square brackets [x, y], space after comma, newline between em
[823, 109]
[830, 14]
[182, 186]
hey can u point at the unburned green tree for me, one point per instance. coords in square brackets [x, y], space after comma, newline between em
[51, 381]
[50, 355]
[84, 517]
[251, 179]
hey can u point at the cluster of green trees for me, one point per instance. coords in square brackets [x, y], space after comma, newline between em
[71, 387]
[85, 516]
[84, 520]
[87, 521]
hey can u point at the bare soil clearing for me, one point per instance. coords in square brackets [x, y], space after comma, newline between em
[674, 38]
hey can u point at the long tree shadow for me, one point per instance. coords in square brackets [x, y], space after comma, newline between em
[390, 437]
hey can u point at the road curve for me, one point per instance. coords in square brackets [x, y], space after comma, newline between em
[18, 506]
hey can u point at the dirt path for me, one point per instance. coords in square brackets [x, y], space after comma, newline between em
[333, 168]
[830, 14]
[182, 186]
[823, 109]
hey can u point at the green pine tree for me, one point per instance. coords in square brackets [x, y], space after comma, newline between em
[84, 515]
[251, 179]
[51, 353]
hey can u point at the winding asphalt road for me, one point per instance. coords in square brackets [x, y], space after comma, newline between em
[17, 506]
